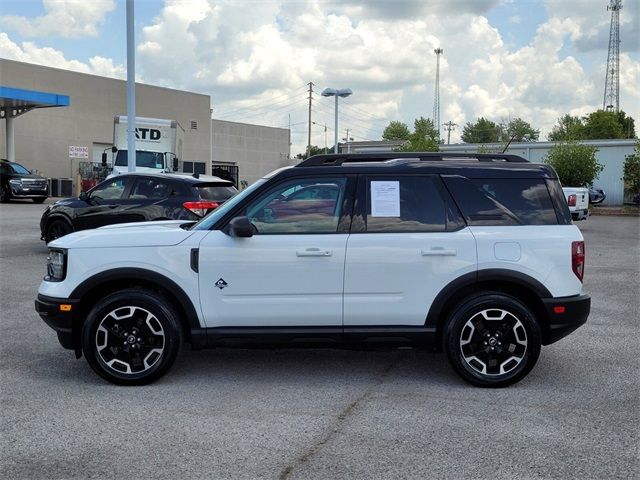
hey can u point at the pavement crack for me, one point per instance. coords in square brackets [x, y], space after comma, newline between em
[308, 453]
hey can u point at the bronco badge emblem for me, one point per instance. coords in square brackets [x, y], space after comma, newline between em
[221, 284]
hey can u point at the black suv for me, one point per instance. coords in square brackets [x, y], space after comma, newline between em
[17, 182]
[136, 197]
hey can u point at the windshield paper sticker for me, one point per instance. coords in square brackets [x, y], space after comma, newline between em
[385, 199]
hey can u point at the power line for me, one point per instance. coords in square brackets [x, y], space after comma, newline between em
[450, 126]
[263, 103]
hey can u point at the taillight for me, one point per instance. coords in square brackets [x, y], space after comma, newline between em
[577, 259]
[200, 208]
[571, 200]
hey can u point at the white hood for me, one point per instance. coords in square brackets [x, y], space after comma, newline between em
[139, 234]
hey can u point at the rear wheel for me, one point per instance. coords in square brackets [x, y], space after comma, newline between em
[492, 340]
[56, 229]
[131, 337]
[4, 194]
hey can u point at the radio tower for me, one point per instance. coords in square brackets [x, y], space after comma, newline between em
[436, 96]
[612, 82]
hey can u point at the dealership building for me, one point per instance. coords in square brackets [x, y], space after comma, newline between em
[58, 121]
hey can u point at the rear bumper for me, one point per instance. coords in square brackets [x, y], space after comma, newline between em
[563, 321]
[580, 214]
[61, 321]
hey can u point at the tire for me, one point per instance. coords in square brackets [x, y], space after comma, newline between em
[4, 194]
[39, 200]
[56, 229]
[492, 340]
[131, 337]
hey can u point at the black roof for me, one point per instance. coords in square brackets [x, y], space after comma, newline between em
[480, 165]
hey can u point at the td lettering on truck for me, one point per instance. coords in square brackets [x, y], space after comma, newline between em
[158, 143]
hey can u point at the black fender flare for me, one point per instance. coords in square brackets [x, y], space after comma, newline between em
[141, 274]
[441, 302]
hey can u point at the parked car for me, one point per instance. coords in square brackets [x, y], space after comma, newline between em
[477, 257]
[578, 202]
[18, 183]
[596, 195]
[136, 197]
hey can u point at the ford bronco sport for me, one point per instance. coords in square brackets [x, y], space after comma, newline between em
[475, 255]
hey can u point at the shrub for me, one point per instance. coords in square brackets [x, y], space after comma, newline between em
[576, 164]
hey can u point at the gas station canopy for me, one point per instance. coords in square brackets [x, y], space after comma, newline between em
[16, 101]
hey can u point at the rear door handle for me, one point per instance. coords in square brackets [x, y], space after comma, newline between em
[313, 252]
[439, 251]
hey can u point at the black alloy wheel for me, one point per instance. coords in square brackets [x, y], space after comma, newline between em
[492, 340]
[4, 194]
[56, 229]
[131, 337]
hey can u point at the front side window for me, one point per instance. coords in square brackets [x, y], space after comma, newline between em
[112, 189]
[299, 206]
[404, 204]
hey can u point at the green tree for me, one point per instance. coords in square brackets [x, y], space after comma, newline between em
[567, 128]
[521, 131]
[628, 125]
[575, 164]
[482, 131]
[315, 150]
[600, 125]
[632, 172]
[396, 131]
[424, 137]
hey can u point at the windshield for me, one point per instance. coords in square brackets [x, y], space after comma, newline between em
[143, 159]
[19, 169]
[210, 220]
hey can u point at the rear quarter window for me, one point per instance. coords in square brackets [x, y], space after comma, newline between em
[220, 192]
[503, 201]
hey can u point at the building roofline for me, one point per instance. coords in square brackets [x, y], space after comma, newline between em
[74, 72]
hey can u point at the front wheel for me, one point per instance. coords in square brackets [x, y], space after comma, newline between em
[56, 229]
[131, 337]
[492, 340]
[39, 199]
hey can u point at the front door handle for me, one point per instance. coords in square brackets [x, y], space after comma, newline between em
[439, 251]
[313, 252]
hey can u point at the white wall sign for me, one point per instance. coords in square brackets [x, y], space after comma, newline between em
[78, 152]
[385, 199]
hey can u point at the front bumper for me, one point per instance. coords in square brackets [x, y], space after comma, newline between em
[61, 321]
[565, 315]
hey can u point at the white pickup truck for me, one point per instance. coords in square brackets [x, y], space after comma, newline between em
[578, 201]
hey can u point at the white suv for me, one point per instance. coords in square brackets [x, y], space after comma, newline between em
[472, 254]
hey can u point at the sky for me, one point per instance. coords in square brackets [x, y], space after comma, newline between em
[533, 59]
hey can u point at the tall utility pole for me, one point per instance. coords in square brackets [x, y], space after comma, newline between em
[449, 126]
[611, 100]
[131, 90]
[309, 136]
[436, 96]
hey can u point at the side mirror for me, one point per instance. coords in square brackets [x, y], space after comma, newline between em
[241, 227]
[175, 164]
[104, 159]
[114, 149]
[84, 196]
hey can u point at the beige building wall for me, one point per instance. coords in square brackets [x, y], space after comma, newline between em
[43, 136]
[255, 149]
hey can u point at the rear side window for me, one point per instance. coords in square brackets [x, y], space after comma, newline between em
[219, 192]
[503, 201]
[404, 204]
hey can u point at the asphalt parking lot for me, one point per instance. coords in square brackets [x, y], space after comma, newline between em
[323, 413]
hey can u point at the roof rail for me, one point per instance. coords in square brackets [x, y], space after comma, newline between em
[339, 159]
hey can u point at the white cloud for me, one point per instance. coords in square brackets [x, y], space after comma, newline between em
[63, 18]
[30, 53]
[255, 59]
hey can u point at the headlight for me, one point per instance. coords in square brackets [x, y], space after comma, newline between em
[56, 265]
[15, 181]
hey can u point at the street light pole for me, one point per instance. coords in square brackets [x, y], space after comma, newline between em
[333, 92]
